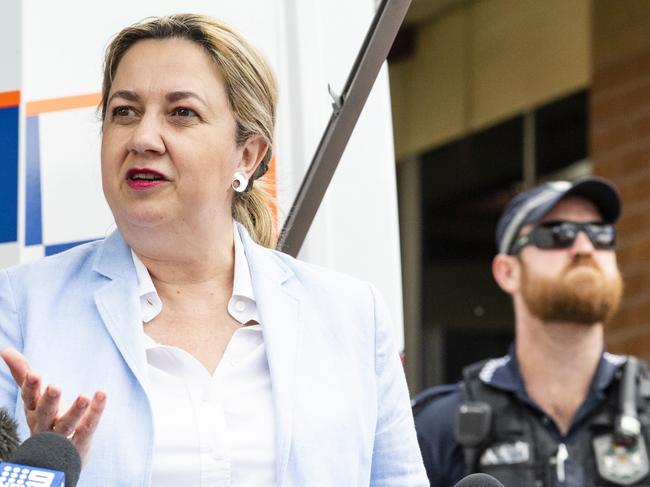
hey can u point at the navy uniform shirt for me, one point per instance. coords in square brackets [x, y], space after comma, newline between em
[443, 456]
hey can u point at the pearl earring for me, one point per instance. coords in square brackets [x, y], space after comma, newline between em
[239, 182]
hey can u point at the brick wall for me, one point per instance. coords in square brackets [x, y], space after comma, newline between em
[620, 150]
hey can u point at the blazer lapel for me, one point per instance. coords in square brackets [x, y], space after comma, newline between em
[277, 296]
[117, 302]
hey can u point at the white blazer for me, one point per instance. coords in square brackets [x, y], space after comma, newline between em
[342, 413]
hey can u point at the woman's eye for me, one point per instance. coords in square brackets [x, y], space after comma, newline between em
[121, 112]
[184, 112]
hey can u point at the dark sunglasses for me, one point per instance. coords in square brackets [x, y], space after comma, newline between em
[562, 234]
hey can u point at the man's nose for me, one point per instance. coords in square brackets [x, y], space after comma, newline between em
[582, 244]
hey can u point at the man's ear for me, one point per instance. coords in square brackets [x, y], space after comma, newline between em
[506, 270]
[253, 151]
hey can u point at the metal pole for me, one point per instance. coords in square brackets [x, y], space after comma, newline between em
[529, 155]
[346, 110]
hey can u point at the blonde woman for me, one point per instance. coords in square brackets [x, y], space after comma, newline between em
[216, 360]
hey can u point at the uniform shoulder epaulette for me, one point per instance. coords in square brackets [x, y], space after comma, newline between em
[473, 370]
[427, 396]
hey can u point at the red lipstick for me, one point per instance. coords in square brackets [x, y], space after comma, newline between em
[139, 178]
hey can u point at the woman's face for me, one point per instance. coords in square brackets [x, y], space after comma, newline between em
[168, 149]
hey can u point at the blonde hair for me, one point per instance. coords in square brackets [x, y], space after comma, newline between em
[251, 89]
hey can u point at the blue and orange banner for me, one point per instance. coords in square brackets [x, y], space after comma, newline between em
[9, 121]
[34, 108]
[9, 99]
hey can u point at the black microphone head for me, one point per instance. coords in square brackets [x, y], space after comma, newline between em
[52, 451]
[8, 434]
[479, 480]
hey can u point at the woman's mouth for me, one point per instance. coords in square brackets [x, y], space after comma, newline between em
[144, 178]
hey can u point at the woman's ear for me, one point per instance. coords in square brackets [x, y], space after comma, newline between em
[253, 151]
[506, 270]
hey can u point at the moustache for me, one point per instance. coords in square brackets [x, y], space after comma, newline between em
[581, 260]
[582, 265]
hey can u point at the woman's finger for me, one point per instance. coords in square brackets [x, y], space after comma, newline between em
[30, 390]
[88, 424]
[47, 409]
[17, 363]
[67, 423]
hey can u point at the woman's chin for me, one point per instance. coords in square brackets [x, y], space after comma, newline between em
[142, 218]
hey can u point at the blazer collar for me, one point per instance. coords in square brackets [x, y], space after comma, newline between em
[278, 294]
[113, 258]
[118, 303]
[268, 263]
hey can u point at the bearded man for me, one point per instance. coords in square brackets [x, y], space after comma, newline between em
[557, 410]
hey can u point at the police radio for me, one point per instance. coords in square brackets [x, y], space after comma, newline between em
[473, 423]
[627, 426]
[472, 429]
[622, 457]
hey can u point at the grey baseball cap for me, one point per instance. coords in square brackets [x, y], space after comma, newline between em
[530, 206]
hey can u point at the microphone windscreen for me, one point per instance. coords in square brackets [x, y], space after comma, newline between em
[479, 480]
[52, 451]
[8, 435]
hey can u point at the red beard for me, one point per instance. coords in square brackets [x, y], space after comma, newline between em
[581, 293]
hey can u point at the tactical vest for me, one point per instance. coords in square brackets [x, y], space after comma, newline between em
[511, 441]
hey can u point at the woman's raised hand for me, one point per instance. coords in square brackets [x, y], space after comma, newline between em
[43, 410]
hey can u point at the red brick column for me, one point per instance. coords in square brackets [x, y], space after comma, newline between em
[620, 151]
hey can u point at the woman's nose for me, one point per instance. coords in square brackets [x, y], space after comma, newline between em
[147, 136]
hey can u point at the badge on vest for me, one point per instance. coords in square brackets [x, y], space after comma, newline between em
[618, 463]
[506, 454]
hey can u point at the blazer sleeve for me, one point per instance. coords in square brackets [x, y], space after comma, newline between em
[10, 336]
[396, 458]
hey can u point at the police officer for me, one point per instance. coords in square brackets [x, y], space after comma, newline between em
[557, 410]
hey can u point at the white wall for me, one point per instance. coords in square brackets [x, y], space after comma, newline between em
[356, 228]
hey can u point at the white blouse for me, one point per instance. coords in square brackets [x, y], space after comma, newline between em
[211, 429]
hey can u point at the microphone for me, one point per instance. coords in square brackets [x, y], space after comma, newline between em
[8, 435]
[44, 460]
[479, 480]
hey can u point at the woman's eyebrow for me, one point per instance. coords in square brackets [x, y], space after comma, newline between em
[175, 96]
[126, 94]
